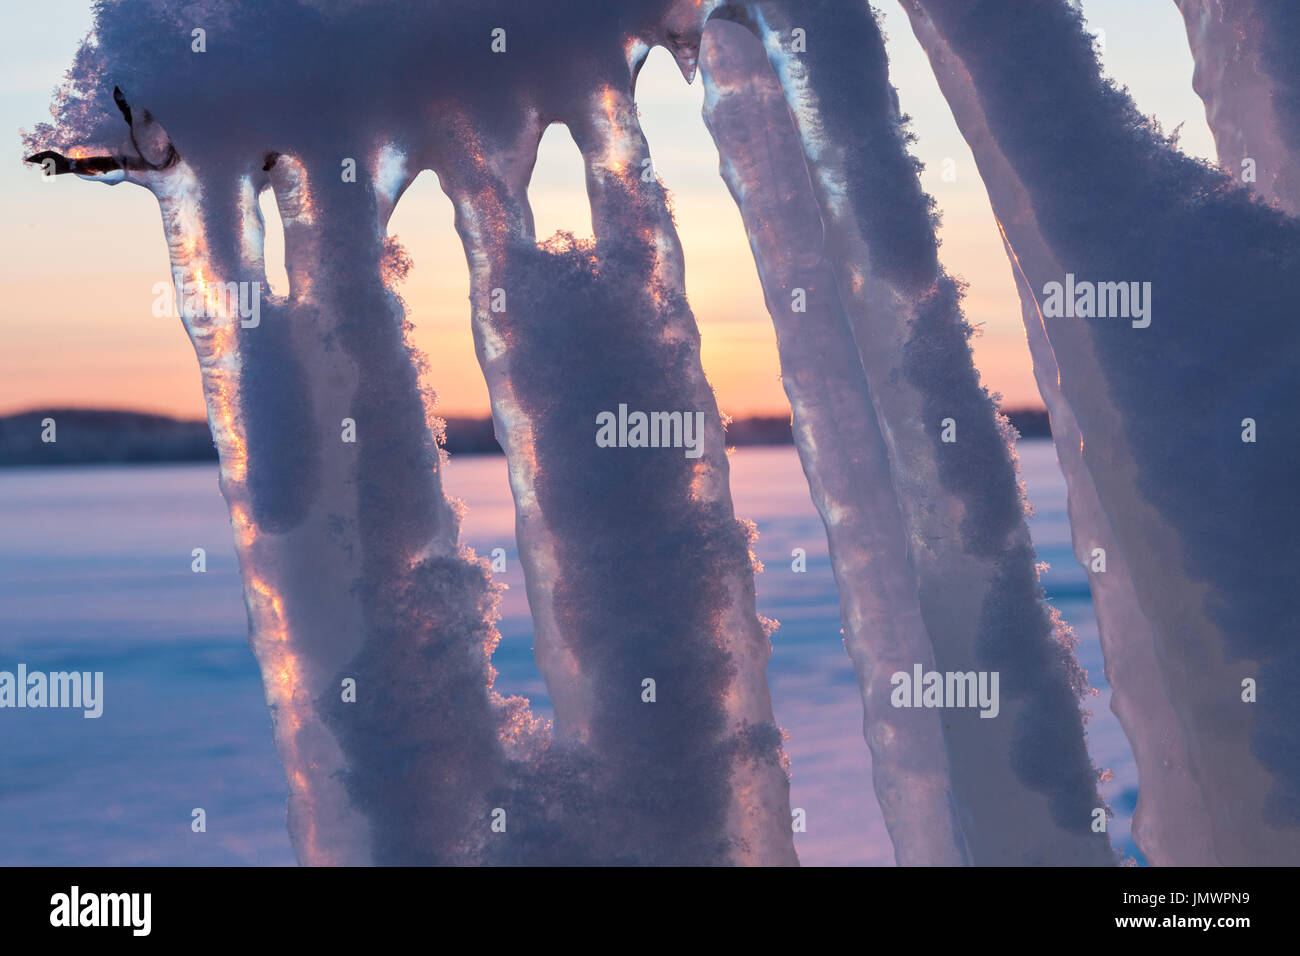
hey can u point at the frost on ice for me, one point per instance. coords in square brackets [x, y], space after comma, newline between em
[635, 564]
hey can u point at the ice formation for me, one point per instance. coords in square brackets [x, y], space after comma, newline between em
[1247, 55]
[637, 569]
[839, 441]
[1151, 422]
[640, 581]
[1023, 787]
[1132, 669]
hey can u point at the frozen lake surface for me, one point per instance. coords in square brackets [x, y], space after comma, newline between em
[95, 576]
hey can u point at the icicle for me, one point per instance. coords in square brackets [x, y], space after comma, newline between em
[1200, 506]
[638, 572]
[371, 626]
[1244, 78]
[1025, 786]
[487, 185]
[837, 437]
[1177, 831]
[302, 639]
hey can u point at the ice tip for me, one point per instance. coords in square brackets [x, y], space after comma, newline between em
[688, 62]
[681, 32]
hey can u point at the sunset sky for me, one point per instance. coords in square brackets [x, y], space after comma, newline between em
[78, 260]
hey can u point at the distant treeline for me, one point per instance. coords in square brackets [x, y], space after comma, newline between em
[95, 437]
